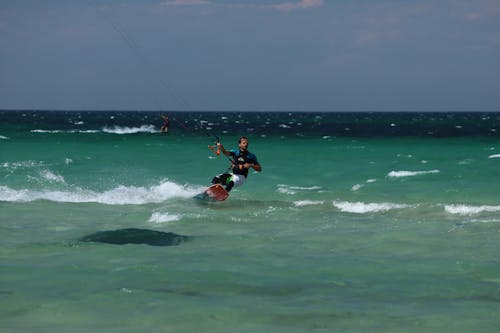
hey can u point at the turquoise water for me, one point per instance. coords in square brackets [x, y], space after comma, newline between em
[352, 226]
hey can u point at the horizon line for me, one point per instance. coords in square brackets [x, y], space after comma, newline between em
[252, 111]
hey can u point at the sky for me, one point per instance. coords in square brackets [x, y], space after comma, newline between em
[222, 55]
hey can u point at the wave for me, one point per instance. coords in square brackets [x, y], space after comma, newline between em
[22, 164]
[470, 210]
[121, 195]
[130, 130]
[109, 130]
[383, 207]
[63, 131]
[356, 187]
[362, 208]
[397, 174]
[301, 203]
[455, 209]
[164, 217]
[51, 176]
[4, 137]
[494, 156]
[485, 221]
[287, 189]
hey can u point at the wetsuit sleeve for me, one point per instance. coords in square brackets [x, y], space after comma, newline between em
[232, 153]
[253, 159]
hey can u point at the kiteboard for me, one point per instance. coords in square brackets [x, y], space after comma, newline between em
[215, 192]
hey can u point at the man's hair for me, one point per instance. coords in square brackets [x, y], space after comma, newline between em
[242, 138]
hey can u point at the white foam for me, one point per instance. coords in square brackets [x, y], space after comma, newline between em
[22, 164]
[494, 156]
[4, 137]
[130, 130]
[397, 174]
[356, 187]
[301, 203]
[85, 131]
[52, 177]
[63, 131]
[164, 217]
[470, 210]
[111, 130]
[287, 189]
[485, 221]
[46, 131]
[362, 208]
[121, 195]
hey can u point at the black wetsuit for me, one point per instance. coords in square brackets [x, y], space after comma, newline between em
[239, 158]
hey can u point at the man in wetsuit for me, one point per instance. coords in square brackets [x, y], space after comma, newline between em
[242, 160]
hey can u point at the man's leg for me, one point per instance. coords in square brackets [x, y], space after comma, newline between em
[221, 179]
[229, 186]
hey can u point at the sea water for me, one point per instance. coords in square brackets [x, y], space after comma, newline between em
[358, 222]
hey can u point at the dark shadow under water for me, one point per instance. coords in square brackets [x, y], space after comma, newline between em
[135, 236]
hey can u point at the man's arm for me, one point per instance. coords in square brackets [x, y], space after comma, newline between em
[224, 151]
[255, 166]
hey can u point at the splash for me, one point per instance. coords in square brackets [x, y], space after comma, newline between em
[109, 130]
[130, 130]
[121, 195]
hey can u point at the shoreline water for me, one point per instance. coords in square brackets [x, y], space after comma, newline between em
[343, 231]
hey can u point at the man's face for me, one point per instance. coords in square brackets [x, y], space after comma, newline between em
[243, 144]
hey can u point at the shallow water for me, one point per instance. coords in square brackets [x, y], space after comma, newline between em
[339, 233]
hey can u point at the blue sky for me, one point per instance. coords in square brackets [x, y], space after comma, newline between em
[283, 55]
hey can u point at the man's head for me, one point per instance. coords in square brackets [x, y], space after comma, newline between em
[243, 143]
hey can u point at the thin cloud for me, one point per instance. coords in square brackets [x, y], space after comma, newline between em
[185, 2]
[282, 6]
[302, 4]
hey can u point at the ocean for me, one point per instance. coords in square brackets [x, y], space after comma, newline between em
[358, 222]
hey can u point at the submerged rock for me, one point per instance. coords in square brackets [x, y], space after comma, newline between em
[135, 236]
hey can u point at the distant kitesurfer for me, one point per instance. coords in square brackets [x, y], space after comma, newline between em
[242, 160]
[166, 122]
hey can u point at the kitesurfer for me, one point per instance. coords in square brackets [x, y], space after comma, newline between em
[166, 122]
[241, 161]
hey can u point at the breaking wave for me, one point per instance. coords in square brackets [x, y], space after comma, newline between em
[287, 189]
[130, 130]
[362, 208]
[164, 217]
[121, 195]
[470, 210]
[301, 203]
[397, 174]
[109, 130]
